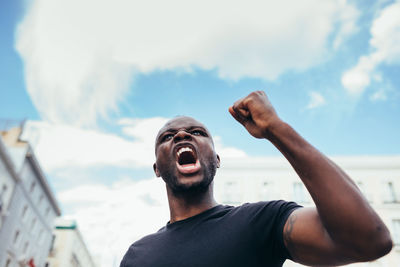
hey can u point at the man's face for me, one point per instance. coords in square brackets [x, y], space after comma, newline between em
[185, 156]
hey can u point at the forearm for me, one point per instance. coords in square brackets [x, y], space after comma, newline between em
[343, 227]
[345, 214]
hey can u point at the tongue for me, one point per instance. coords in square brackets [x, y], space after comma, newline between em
[188, 168]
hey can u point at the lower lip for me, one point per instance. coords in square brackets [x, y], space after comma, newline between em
[189, 168]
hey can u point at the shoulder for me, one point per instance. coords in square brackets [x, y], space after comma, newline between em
[271, 207]
[261, 214]
[141, 246]
[148, 239]
[266, 215]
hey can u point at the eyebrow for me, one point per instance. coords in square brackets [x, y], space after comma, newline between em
[174, 130]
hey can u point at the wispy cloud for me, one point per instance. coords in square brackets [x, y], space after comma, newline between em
[347, 26]
[79, 56]
[379, 95]
[61, 146]
[316, 100]
[385, 32]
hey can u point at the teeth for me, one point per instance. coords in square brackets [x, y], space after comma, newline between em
[184, 149]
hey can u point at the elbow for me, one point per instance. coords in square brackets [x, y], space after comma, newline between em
[384, 247]
[378, 248]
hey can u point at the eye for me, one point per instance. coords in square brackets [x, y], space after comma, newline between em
[167, 137]
[198, 133]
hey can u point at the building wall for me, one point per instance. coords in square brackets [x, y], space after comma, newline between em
[26, 232]
[245, 180]
[69, 249]
[7, 182]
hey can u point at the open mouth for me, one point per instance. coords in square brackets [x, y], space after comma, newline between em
[186, 156]
[187, 161]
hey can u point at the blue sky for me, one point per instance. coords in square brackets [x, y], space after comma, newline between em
[345, 124]
[96, 79]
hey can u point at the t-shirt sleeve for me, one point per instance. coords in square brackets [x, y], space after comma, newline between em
[267, 222]
[284, 212]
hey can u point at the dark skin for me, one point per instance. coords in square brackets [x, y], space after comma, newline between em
[342, 228]
[193, 195]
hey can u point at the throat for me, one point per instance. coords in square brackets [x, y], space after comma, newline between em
[189, 206]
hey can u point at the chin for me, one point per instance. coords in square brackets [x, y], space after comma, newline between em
[199, 182]
[191, 186]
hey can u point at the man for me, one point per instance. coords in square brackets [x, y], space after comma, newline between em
[341, 229]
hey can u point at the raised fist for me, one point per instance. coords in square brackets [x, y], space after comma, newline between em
[255, 113]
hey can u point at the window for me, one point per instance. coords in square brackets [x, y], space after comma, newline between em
[33, 184]
[267, 191]
[231, 193]
[16, 237]
[40, 199]
[3, 191]
[74, 262]
[53, 238]
[396, 231]
[26, 245]
[40, 237]
[33, 223]
[361, 186]
[24, 210]
[47, 211]
[389, 193]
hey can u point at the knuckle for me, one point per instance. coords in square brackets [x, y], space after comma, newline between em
[237, 104]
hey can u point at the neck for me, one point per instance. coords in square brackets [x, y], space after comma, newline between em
[187, 204]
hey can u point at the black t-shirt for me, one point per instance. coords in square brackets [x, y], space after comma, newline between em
[247, 235]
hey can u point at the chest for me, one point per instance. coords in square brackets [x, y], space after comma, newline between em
[200, 245]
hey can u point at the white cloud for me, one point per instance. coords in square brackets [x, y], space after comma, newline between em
[111, 218]
[64, 146]
[227, 152]
[61, 146]
[316, 100]
[79, 55]
[142, 129]
[357, 79]
[385, 32]
[379, 95]
[347, 26]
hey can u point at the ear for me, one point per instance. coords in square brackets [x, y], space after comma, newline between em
[218, 161]
[156, 170]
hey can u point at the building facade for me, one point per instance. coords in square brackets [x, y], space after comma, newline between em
[69, 249]
[263, 179]
[8, 179]
[26, 232]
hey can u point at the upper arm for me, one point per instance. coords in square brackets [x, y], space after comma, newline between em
[309, 243]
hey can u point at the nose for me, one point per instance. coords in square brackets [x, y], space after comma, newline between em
[182, 135]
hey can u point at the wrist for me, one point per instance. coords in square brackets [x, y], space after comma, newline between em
[272, 130]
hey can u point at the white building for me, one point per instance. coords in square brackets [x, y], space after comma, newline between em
[26, 232]
[8, 179]
[256, 179]
[69, 249]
